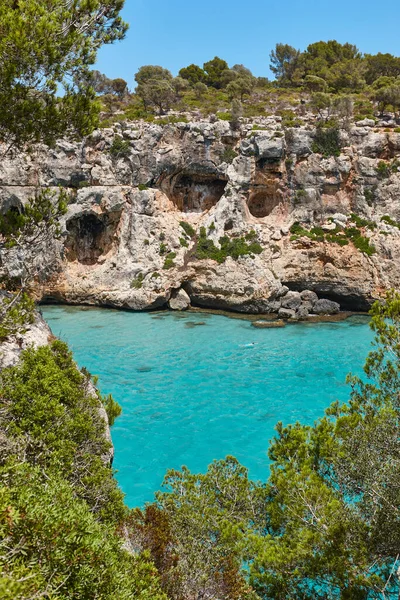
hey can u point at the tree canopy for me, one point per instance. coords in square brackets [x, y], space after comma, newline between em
[46, 49]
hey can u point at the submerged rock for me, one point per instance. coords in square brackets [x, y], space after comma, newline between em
[286, 313]
[268, 324]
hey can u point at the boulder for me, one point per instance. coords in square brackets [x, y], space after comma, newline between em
[326, 307]
[366, 123]
[286, 313]
[179, 300]
[269, 147]
[302, 313]
[292, 300]
[308, 299]
[300, 142]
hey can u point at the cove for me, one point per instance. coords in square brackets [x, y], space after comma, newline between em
[197, 387]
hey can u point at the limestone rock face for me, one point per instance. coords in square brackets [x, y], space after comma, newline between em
[149, 222]
[36, 335]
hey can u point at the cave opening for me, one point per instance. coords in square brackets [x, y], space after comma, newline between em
[349, 301]
[194, 192]
[89, 237]
[261, 203]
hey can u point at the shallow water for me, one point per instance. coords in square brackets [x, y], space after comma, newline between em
[195, 387]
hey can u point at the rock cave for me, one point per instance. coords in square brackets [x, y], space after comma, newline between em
[90, 236]
[262, 201]
[194, 191]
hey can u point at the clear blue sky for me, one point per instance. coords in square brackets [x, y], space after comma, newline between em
[176, 33]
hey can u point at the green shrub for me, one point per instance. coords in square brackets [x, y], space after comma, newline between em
[336, 236]
[46, 399]
[370, 195]
[251, 236]
[113, 409]
[142, 187]
[336, 239]
[383, 170]
[53, 546]
[188, 229]
[18, 317]
[318, 232]
[233, 247]
[297, 229]
[119, 147]
[327, 141]
[163, 248]
[138, 282]
[289, 118]
[360, 222]
[183, 242]
[171, 120]
[155, 275]
[228, 155]
[390, 221]
[360, 241]
[168, 264]
[224, 116]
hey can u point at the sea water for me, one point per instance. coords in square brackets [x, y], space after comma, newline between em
[195, 387]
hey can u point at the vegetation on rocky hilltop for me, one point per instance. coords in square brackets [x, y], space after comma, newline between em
[326, 75]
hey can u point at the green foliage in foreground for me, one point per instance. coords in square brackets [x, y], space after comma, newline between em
[17, 314]
[60, 507]
[52, 546]
[198, 531]
[50, 407]
[233, 247]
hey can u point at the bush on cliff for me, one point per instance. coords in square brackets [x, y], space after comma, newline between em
[46, 403]
[60, 506]
[233, 247]
[327, 141]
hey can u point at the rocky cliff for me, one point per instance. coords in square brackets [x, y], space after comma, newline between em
[151, 206]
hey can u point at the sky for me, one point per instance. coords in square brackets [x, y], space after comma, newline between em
[176, 33]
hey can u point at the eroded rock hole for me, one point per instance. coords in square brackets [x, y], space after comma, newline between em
[261, 203]
[348, 300]
[90, 236]
[195, 193]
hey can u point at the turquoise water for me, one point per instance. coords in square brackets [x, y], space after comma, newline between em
[192, 393]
